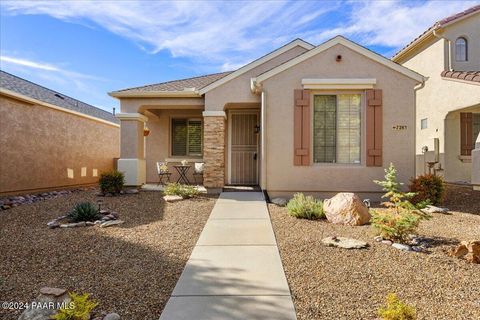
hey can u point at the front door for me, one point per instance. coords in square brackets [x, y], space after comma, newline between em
[244, 148]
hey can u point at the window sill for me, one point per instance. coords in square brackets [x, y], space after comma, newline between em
[179, 159]
[465, 159]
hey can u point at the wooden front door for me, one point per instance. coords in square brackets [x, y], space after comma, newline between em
[244, 148]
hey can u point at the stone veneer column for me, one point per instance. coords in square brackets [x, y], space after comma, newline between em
[214, 149]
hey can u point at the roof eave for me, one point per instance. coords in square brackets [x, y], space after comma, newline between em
[256, 63]
[404, 53]
[155, 94]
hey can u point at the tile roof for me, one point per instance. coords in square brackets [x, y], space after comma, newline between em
[32, 90]
[439, 24]
[179, 85]
[473, 76]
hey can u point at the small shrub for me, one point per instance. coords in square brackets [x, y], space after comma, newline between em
[396, 309]
[183, 190]
[401, 217]
[84, 211]
[305, 207]
[111, 181]
[427, 187]
[78, 309]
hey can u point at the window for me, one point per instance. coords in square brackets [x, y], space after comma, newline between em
[337, 128]
[186, 137]
[461, 49]
[424, 123]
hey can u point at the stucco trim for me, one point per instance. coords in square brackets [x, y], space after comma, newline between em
[166, 94]
[462, 81]
[339, 83]
[19, 96]
[131, 116]
[256, 63]
[349, 44]
[214, 114]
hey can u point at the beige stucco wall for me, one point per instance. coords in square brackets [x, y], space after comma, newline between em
[435, 101]
[398, 109]
[41, 146]
[133, 105]
[468, 28]
[238, 90]
[158, 142]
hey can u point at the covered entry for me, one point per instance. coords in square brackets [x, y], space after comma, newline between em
[243, 155]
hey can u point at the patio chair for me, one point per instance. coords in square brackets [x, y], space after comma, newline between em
[198, 171]
[162, 170]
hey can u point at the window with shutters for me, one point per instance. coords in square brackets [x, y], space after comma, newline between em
[186, 137]
[475, 127]
[337, 128]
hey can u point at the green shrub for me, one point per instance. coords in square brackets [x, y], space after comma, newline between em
[79, 309]
[111, 181]
[183, 190]
[305, 207]
[401, 217]
[396, 309]
[427, 187]
[84, 211]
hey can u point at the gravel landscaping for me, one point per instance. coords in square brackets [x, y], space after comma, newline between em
[130, 269]
[335, 283]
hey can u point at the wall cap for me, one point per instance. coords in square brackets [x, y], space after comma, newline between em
[214, 114]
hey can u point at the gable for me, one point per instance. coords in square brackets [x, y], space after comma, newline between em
[339, 40]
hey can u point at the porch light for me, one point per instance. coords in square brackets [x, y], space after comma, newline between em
[257, 129]
[146, 131]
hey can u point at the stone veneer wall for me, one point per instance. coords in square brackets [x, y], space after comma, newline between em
[214, 151]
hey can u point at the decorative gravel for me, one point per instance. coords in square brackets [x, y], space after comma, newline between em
[335, 283]
[130, 269]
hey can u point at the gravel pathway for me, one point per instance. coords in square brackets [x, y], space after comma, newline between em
[130, 269]
[333, 283]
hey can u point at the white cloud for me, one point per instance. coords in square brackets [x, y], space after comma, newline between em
[208, 31]
[228, 34]
[392, 23]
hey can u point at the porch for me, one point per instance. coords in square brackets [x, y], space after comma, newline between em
[227, 143]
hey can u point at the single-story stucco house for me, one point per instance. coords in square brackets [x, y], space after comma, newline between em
[448, 105]
[49, 140]
[315, 119]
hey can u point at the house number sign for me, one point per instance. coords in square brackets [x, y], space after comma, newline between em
[399, 127]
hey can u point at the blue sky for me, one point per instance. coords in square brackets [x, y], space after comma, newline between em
[87, 48]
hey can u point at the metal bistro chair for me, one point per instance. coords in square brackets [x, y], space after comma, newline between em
[162, 170]
[198, 170]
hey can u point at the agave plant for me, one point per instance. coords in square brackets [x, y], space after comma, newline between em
[84, 211]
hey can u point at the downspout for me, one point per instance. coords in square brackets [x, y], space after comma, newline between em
[263, 141]
[447, 65]
[415, 89]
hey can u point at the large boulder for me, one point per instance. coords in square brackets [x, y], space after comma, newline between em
[346, 208]
[46, 304]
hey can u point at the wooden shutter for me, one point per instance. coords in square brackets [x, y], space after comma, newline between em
[466, 133]
[301, 135]
[374, 128]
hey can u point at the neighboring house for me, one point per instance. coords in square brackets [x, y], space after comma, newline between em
[319, 120]
[448, 106]
[49, 140]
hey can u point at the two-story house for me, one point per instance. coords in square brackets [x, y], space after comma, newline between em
[448, 103]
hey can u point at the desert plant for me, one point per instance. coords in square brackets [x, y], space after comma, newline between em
[427, 187]
[401, 217]
[79, 308]
[396, 309]
[84, 211]
[111, 181]
[182, 190]
[305, 207]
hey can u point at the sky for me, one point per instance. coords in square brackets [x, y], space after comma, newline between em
[85, 49]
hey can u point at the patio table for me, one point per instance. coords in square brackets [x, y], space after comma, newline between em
[182, 171]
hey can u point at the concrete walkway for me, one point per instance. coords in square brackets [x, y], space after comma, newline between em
[235, 271]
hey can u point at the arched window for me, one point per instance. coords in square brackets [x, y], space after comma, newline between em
[461, 49]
